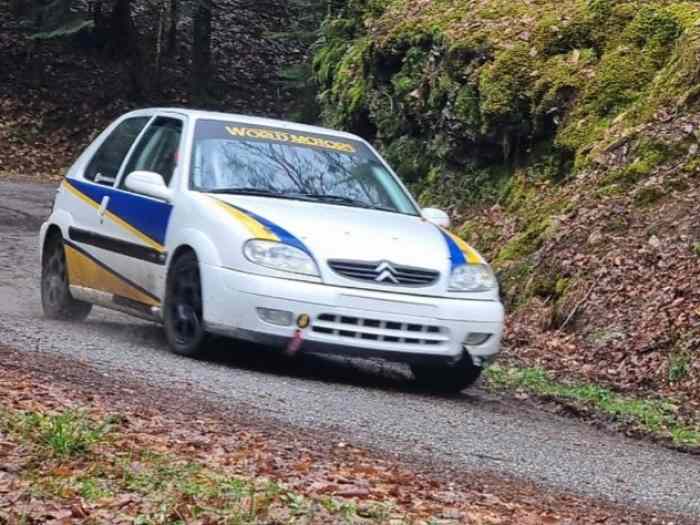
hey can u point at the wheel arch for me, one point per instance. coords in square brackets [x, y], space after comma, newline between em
[197, 242]
[51, 230]
[180, 251]
[204, 249]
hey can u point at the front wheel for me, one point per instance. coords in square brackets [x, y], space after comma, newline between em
[56, 299]
[182, 315]
[449, 379]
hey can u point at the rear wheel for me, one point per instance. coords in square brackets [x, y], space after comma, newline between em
[182, 316]
[56, 299]
[450, 379]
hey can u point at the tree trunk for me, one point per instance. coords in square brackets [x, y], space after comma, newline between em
[160, 48]
[172, 31]
[201, 50]
[97, 17]
[125, 42]
[19, 8]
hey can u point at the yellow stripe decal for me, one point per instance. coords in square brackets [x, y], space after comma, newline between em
[76, 193]
[256, 229]
[469, 253]
[114, 218]
[83, 271]
[121, 222]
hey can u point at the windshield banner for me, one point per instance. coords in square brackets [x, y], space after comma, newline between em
[210, 129]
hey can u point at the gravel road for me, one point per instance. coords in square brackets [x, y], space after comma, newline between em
[370, 403]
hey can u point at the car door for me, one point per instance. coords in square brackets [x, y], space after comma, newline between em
[93, 263]
[138, 235]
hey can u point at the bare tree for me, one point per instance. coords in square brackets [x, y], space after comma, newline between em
[172, 30]
[201, 49]
[125, 42]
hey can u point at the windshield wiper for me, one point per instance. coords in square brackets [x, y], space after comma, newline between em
[335, 198]
[346, 200]
[256, 192]
[318, 197]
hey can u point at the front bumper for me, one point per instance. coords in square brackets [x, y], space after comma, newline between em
[366, 323]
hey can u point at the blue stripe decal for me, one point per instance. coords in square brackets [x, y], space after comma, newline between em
[456, 255]
[283, 235]
[148, 216]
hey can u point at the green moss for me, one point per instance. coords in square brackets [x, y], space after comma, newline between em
[619, 79]
[338, 35]
[525, 243]
[513, 277]
[505, 88]
[441, 90]
[649, 155]
[674, 86]
[561, 286]
[600, 9]
[562, 79]
[458, 110]
[647, 196]
[451, 189]
[412, 72]
[463, 57]
[406, 156]
[554, 36]
[696, 248]
[655, 29]
[692, 165]
[466, 107]
[349, 82]
[686, 14]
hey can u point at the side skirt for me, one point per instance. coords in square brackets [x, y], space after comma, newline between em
[116, 302]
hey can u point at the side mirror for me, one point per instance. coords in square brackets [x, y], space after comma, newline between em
[436, 216]
[148, 183]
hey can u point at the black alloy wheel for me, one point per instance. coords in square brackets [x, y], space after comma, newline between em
[56, 299]
[184, 324]
[447, 379]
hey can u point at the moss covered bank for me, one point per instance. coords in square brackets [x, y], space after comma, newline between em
[563, 136]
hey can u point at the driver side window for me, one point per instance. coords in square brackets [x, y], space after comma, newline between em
[158, 150]
[104, 165]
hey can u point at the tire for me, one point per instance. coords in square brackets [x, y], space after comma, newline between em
[56, 299]
[182, 315]
[445, 378]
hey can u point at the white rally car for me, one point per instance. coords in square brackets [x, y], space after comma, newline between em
[267, 231]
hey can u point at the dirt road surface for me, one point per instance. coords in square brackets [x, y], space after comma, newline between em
[366, 401]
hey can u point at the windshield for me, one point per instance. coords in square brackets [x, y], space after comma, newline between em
[231, 158]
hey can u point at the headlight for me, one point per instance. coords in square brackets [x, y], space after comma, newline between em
[473, 278]
[279, 256]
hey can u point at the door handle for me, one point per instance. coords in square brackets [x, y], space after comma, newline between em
[103, 206]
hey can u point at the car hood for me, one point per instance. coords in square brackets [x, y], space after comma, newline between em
[329, 231]
[332, 231]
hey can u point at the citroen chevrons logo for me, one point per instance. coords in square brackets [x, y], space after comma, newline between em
[385, 273]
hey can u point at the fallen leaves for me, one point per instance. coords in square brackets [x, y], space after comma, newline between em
[157, 461]
[639, 329]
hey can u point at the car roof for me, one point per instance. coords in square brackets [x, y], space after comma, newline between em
[245, 119]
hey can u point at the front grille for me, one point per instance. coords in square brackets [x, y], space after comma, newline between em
[343, 326]
[384, 272]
